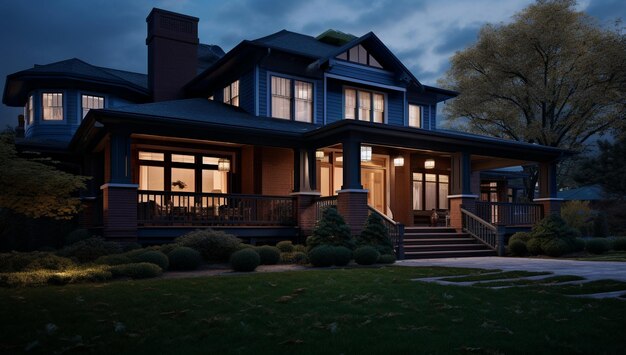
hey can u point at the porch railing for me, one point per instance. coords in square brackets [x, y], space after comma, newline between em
[322, 203]
[490, 235]
[503, 213]
[396, 232]
[207, 209]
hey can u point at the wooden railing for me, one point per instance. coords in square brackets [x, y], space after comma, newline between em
[322, 203]
[490, 235]
[396, 232]
[163, 208]
[511, 214]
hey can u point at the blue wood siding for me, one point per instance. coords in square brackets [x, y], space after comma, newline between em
[364, 73]
[262, 92]
[395, 108]
[246, 92]
[334, 101]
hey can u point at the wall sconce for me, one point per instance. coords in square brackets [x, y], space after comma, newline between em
[366, 153]
[398, 161]
[223, 164]
[319, 154]
[429, 164]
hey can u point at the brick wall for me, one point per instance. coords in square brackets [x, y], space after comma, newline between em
[277, 170]
[120, 213]
[353, 207]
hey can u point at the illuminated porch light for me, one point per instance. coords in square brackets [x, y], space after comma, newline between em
[319, 154]
[366, 153]
[429, 164]
[223, 164]
[398, 161]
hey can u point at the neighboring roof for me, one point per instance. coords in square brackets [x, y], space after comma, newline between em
[208, 54]
[296, 43]
[584, 193]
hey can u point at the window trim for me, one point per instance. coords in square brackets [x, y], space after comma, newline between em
[292, 100]
[438, 182]
[421, 115]
[229, 88]
[63, 105]
[356, 113]
[80, 97]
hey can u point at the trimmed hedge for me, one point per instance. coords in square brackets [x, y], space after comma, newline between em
[154, 257]
[598, 245]
[269, 255]
[90, 249]
[322, 256]
[387, 259]
[214, 246]
[285, 246]
[366, 255]
[341, 256]
[136, 270]
[555, 247]
[54, 277]
[296, 257]
[116, 259]
[619, 244]
[245, 260]
[517, 247]
[16, 261]
[184, 258]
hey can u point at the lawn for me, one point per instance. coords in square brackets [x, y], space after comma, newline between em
[610, 256]
[349, 311]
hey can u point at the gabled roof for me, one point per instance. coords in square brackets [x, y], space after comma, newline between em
[296, 43]
[584, 193]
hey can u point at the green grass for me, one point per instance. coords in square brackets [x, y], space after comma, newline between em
[610, 256]
[350, 311]
[599, 286]
[495, 276]
[525, 282]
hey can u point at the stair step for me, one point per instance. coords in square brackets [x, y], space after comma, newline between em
[429, 230]
[448, 254]
[442, 247]
[439, 240]
[434, 235]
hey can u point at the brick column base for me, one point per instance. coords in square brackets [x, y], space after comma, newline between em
[455, 202]
[120, 212]
[550, 205]
[305, 211]
[352, 205]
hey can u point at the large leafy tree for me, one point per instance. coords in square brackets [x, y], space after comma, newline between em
[552, 76]
[35, 187]
[607, 168]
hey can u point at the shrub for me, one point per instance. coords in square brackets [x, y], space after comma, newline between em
[184, 258]
[534, 246]
[331, 229]
[600, 226]
[116, 259]
[167, 248]
[551, 227]
[598, 246]
[341, 256]
[245, 260]
[154, 257]
[76, 236]
[246, 246]
[517, 247]
[322, 256]
[578, 245]
[90, 249]
[296, 257]
[387, 259]
[522, 236]
[375, 234]
[619, 244]
[366, 255]
[578, 215]
[285, 246]
[214, 246]
[54, 277]
[299, 248]
[136, 270]
[555, 247]
[269, 255]
[16, 261]
[130, 246]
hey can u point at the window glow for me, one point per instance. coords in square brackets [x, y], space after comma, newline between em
[366, 153]
[52, 104]
[429, 164]
[231, 94]
[366, 105]
[398, 161]
[151, 156]
[181, 158]
[415, 116]
[292, 99]
[88, 102]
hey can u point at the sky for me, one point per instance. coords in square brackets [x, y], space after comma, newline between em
[423, 34]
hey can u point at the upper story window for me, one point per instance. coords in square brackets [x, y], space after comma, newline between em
[88, 102]
[358, 54]
[364, 105]
[415, 116]
[292, 99]
[231, 94]
[29, 113]
[52, 104]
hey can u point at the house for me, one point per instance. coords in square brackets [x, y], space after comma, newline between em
[258, 140]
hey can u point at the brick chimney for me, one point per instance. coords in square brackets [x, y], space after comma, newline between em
[172, 53]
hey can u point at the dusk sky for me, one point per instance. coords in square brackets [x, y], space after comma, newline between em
[424, 34]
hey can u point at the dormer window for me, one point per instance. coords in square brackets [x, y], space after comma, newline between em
[358, 54]
[364, 105]
[292, 99]
[231, 94]
[415, 116]
[52, 104]
[88, 102]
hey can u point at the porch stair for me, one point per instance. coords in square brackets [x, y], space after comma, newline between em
[441, 242]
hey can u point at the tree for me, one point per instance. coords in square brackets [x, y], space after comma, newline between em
[552, 77]
[375, 234]
[34, 187]
[331, 229]
[607, 169]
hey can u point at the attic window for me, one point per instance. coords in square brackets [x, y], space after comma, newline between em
[359, 54]
[231, 94]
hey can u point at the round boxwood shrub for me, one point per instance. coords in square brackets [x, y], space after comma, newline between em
[598, 246]
[136, 270]
[115, 259]
[285, 246]
[619, 244]
[366, 255]
[555, 247]
[214, 246]
[523, 236]
[269, 255]
[184, 258]
[387, 259]
[578, 244]
[342, 256]
[322, 256]
[517, 247]
[167, 248]
[154, 257]
[300, 248]
[130, 246]
[90, 249]
[245, 260]
[534, 246]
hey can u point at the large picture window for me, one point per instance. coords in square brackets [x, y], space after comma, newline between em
[88, 102]
[364, 105]
[52, 104]
[292, 99]
[430, 191]
[231, 94]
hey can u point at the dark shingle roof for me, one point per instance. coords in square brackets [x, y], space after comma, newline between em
[296, 43]
[207, 55]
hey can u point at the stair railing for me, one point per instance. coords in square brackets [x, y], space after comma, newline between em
[396, 232]
[488, 234]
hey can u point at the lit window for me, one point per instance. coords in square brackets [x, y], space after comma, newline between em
[415, 116]
[89, 102]
[430, 191]
[181, 158]
[29, 110]
[151, 156]
[297, 106]
[359, 54]
[231, 94]
[365, 105]
[52, 104]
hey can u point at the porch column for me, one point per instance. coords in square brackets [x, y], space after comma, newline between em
[119, 195]
[460, 187]
[304, 189]
[547, 189]
[352, 198]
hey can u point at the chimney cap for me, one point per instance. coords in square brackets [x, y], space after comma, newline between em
[171, 13]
